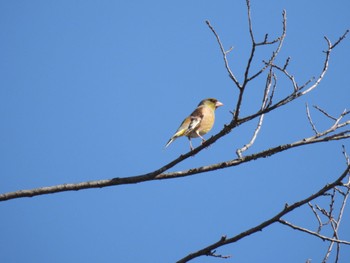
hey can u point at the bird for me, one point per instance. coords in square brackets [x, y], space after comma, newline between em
[199, 122]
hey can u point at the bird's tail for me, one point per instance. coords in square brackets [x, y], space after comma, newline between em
[170, 141]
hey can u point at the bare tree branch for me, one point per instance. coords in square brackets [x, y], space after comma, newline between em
[248, 158]
[284, 222]
[310, 120]
[320, 224]
[347, 159]
[280, 40]
[248, 78]
[297, 89]
[339, 40]
[213, 254]
[158, 175]
[265, 101]
[290, 77]
[224, 54]
[324, 112]
[335, 223]
[287, 209]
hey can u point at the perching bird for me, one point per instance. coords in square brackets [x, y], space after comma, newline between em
[199, 122]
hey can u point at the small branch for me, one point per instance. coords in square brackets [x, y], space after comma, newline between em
[306, 83]
[213, 254]
[326, 62]
[250, 59]
[208, 250]
[340, 39]
[313, 233]
[261, 118]
[332, 221]
[336, 224]
[280, 39]
[320, 224]
[274, 77]
[310, 120]
[250, 23]
[298, 89]
[346, 156]
[324, 112]
[255, 134]
[224, 54]
[286, 64]
[284, 70]
[270, 78]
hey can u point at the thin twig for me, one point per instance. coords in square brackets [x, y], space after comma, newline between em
[347, 159]
[286, 64]
[274, 77]
[252, 140]
[326, 63]
[340, 38]
[224, 54]
[280, 39]
[320, 224]
[250, 22]
[324, 112]
[284, 222]
[261, 118]
[213, 254]
[310, 120]
[284, 70]
[335, 225]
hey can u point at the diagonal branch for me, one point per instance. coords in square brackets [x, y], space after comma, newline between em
[320, 224]
[157, 175]
[324, 112]
[248, 158]
[287, 209]
[224, 54]
[284, 222]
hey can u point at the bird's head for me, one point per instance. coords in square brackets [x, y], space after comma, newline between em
[211, 102]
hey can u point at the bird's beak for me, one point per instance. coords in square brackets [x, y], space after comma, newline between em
[218, 104]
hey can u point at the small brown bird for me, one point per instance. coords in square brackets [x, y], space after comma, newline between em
[199, 122]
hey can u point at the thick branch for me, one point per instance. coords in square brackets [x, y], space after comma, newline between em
[157, 175]
[248, 158]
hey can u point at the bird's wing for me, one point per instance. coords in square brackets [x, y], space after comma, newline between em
[195, 121]
[196, 118]
[182, 129]
[186, 127]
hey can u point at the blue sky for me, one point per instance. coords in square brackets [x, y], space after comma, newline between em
[94, 89]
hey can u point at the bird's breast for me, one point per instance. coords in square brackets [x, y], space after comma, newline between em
[205, 125]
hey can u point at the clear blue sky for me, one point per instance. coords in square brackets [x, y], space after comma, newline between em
[94, 89]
